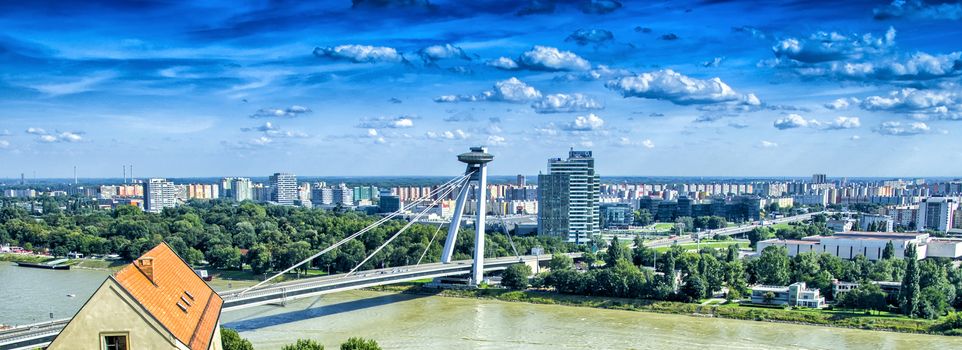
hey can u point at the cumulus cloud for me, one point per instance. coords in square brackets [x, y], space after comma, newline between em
[838, 104]
[510, 90]
[919, 9]
[679, 89]
[670, 37]
[503, 63]
[940, 104]
[832, 46]
[861, 57]
[565, 103]
[590, 36]
[399, 122]
[447, 135]
[588, 122]
[289, 112]
[551, 59]
[601, 72]
[360, 53]
[271, 130]
[4, 144]
[793, 121]
[439, 52]
[495, 140]
[768, 144]
[646, 143]
[896, 128]
[56, 137]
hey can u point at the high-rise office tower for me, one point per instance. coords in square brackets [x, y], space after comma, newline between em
[819, 179]
[936, 213]
[568, 198]
[521, 180]
[159, 194]
[343, 195]
[283, 188]
[241, 189]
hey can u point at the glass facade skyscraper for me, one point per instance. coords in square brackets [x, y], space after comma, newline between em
[568, 198]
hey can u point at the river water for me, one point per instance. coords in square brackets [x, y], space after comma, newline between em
[399, 321]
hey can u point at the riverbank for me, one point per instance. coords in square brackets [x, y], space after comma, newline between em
[841, 319]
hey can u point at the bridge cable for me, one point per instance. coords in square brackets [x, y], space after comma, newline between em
[431, 242]
[399, 232]
[508, 233]
[364, 230]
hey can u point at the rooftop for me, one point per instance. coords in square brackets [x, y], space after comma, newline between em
[174, 295]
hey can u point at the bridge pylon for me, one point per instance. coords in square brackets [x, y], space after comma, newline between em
[477, 161]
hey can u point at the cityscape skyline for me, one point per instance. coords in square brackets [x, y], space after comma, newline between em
[863, 88]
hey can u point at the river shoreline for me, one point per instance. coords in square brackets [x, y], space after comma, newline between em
[772, 315]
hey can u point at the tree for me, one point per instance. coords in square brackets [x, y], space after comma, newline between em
[233, 341]
[867, 296]
[355, 343]
[643, 217]
[889, 251]
[616, 252]
[759, 234]
[694, 288]
[304, 344]
[772, 266]
[909, 294]
[560, 262]
[260, 258]
[225, 257]
[516, 276]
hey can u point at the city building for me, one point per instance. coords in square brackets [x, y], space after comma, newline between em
[241, 189]
[883, 223]
[283, 188]
[795, 294]
[390, 203]
[891, 289]
[936, 213]
[616, 215]
[848, 245]
[156, 302]
[159, 194]
[343, 195]
[568, 198]
[819, 179]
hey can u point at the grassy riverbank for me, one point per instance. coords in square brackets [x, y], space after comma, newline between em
[831, 318]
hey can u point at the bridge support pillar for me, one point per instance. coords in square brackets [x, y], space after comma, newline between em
[477, 161]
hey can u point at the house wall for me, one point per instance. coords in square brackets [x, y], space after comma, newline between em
[112, 310]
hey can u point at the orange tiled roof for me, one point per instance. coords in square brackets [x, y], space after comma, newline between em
[175, 296]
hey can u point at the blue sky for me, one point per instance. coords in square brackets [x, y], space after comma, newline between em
[399, 87]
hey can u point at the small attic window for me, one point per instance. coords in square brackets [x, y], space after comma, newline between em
[191, 296]
[182, 307]
[186, 302]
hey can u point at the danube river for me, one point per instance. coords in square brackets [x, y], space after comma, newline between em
[400, 321]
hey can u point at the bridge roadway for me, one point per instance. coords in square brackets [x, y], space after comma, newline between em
[40, 334]
[728, 231]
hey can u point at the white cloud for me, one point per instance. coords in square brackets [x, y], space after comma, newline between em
[586, 123]
[36, 131]
[677, 88]
[793, 121]
[73, 87]
[896, 128]
[360, 53]
[47, 138]
[440, 52]
[648, 143]
[768, 144]
[564, 103]
[495, 140]
[552, 59]
[832, 46]
[289, 112]
[4, 144]
[919, 9]
[448, 135]
[503, 63]
[590, 36]
[586, 144]
[838, 104]
[941, 104]
[64, 136]
[398, 122]
[855, 138]
[371, 132]
[601, 72]
[510, 90]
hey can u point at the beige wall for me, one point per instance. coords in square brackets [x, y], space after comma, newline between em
[112, 310]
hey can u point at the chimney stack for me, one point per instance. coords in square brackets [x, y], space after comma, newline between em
[146, 265]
